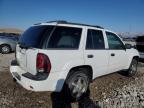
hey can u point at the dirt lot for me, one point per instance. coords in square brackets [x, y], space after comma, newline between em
[111, 91]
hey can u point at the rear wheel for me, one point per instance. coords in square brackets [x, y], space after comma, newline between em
[5, 49]
[77, 84]
[133, 68]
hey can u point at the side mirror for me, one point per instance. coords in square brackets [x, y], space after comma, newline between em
[128, 46]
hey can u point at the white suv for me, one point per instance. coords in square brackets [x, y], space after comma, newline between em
[61, 55]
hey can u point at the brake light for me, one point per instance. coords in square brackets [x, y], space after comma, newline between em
[43, 63]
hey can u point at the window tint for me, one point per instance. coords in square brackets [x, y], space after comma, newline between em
[65, 37]
[89, 43]
[95, 39]
[33, 37]
[113, 41]
[51, 37]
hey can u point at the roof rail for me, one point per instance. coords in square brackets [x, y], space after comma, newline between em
[65, 22]
[57, 21]
[37, 24]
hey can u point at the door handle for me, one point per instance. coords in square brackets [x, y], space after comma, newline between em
[112, 54]
[90, 56]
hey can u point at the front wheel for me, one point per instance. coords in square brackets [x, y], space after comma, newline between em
[77, 84]
[133, 68]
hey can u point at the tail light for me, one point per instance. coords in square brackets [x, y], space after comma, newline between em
[43, 64]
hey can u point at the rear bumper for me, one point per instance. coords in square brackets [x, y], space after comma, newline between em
[52, 83]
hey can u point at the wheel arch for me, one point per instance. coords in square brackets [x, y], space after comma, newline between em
[65, 74]
[134, 57]
[87, 67]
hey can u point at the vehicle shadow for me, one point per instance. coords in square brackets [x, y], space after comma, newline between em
[61, 100]
[86, 102]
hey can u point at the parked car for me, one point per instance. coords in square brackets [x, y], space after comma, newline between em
[9, 34]
[140, 45]
[63, 56]
[129, 41]
[8, 44]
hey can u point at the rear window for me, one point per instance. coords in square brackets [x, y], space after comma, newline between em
[51, 37]
[34, 36]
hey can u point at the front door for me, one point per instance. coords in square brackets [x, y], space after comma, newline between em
[117, 53]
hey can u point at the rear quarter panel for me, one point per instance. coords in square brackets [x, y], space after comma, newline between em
[64, 60]
[61, 63]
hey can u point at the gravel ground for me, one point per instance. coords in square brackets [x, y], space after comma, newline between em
[110, 91]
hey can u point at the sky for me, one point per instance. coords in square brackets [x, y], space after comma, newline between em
[116, 15]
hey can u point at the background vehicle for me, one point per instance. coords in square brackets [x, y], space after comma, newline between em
[8, 43]
[140, 45]
[66, 56]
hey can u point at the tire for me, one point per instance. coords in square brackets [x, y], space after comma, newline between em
[76, 85]
[5, 49]
[133, 68]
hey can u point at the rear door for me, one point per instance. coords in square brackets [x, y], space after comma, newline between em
[117, 53]
[95, 53]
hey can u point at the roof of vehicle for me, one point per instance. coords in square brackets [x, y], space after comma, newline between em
[65, 22]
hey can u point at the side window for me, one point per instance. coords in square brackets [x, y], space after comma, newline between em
[113, 41]
[65, 38]
[95, 39]
[89, 42]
